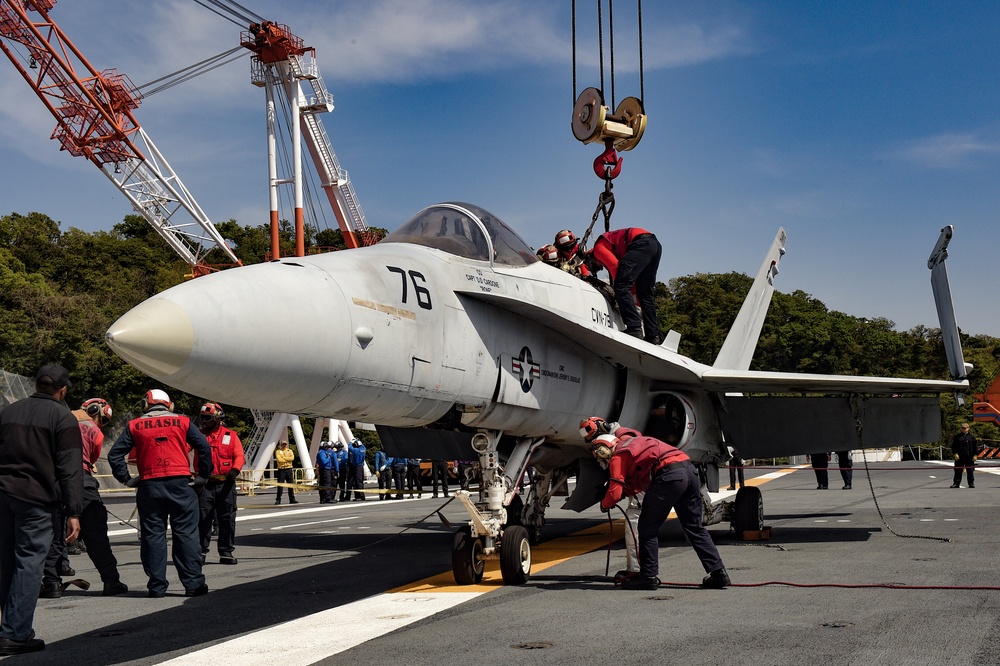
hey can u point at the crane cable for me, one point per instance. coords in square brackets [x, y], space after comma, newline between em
[611, 47]
[606, 199]
[238, 14]
[190, 72]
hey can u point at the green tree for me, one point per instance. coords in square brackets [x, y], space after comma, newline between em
[60, 292]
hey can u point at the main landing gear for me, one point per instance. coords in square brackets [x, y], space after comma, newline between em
[491, 534]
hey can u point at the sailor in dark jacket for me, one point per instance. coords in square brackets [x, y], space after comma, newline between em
[41, 472]
[965, 448]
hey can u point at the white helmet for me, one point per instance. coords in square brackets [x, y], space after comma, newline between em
[603, 448]
[156, 397]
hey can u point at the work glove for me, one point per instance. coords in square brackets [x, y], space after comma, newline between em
[232, 474]
[956, 456]
[132, 482]
[198, 483]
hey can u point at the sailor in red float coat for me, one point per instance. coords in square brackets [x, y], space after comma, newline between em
[217, 501]
[637, 461]
[227, 453]
[669, 480]
[632, 257]
[94, 413]
[161, 443]
[164, 490]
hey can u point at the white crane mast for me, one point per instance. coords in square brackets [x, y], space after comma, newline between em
[281, 63]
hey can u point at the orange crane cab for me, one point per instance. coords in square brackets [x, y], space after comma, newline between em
[987, 405]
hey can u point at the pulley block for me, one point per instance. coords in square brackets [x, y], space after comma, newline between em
[593, 121]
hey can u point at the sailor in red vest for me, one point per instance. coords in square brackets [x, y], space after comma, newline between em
[164, 489]
[94, 414]
[590, 429]
[632, 257]
[571, 257]
[218, 498]
[638, 464]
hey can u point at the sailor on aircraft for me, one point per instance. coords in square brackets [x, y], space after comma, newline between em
[549, 254]
[571, 255]
[632, 257]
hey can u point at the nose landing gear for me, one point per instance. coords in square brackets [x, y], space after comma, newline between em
[488, 536]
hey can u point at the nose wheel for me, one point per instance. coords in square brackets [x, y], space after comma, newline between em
[515, 555]
[467, 563]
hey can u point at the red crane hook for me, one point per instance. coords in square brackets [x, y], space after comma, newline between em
[608, 165]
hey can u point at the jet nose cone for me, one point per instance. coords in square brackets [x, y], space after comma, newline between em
[156, 337]
[273, 336]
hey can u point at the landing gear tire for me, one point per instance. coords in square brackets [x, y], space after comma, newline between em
[515, 555]
[749, 513]
[466, 557]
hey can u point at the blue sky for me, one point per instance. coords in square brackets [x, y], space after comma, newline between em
[861, 128]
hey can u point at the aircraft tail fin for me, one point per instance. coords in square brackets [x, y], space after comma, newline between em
[741, 342]
[946, 309]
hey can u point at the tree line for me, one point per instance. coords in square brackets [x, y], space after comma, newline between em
[61, 290]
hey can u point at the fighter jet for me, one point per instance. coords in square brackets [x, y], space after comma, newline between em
[457, 342]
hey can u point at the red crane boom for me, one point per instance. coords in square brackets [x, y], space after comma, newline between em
[93, 112]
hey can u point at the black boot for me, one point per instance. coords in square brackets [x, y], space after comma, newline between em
[717, 580]
[52, 590]
[640, 582]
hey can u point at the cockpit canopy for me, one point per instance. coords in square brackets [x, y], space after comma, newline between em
[467, 231]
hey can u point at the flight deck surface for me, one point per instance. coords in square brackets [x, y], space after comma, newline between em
[370, 583]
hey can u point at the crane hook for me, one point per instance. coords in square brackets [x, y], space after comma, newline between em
[608, 165]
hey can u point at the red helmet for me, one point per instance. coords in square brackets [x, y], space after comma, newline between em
[156, 397]
[98, 409]
[592, 427]
[211, 412]
[548, 253]
[565, 240]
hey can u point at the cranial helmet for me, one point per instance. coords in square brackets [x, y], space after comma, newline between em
[211, 412]
[98, 409]
[565, 240]
[603, 448]
[156, 397]
[548, 253]
[592, 427]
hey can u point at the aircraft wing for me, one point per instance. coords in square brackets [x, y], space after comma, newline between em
[663, 365]
[751, 381]
[610, 344]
